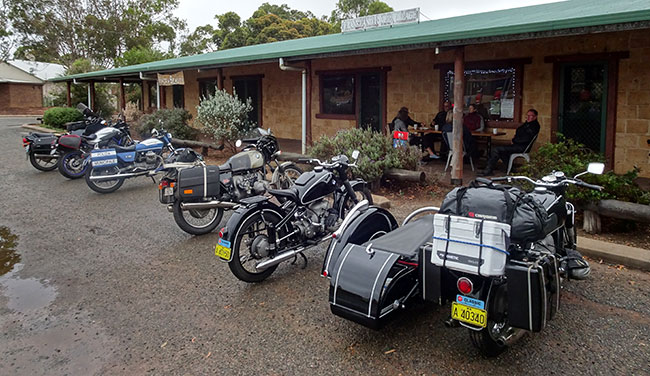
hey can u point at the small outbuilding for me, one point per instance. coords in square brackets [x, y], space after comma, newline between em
[20, 92]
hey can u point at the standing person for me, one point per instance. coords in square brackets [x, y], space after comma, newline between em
[523, 137]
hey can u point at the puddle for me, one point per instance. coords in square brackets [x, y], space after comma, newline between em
[8, 255]
[24, 294]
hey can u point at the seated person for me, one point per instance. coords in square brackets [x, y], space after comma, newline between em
[468, 140]
[524, 135]
[401, 123]
[473, 121]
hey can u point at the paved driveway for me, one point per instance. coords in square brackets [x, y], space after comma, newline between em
[108, 284]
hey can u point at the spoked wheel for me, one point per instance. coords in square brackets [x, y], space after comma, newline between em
[71, 165]
[197, 221]
[251, 244]
[43, 163]
[104, 186]
[361, 193]
[287, 179]
[489, 340]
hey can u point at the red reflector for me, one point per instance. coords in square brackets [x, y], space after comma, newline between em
[24, 140]
[221, 232]
[325, 273]
[464, 285]
[334, 235]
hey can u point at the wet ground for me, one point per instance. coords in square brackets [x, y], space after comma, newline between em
[108, 284]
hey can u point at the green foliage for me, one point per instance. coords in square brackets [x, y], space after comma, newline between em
[346, 9]
[572, 158]
[56, 117]
[376, 152]
[140, 55]
[79, 93]
[225, 117]
[173, 120]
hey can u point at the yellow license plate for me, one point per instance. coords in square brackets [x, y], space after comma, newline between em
[223, 250]
[470, 315]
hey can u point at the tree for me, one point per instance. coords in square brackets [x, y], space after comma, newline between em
[200, 41]
[98, 30]
[79, 93]
[346, 9]
[6, 40]
[140, 55]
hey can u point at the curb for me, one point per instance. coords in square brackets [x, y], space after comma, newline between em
[633, 257]
[37, 128]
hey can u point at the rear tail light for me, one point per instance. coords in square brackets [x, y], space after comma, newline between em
[163, 184]
[24, 140]
[465, 285]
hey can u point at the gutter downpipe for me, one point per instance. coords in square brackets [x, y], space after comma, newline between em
[285, 67]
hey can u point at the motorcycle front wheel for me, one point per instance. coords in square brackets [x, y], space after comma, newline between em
[43, 163]
[104, 186]
[250, 246]
[197, 221]
[71, 165]
[361, 193]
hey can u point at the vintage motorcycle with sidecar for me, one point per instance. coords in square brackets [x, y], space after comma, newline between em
[497, 253]
[198, 196]
[262, 234]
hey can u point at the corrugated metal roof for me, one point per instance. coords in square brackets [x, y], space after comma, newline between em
[533, 19]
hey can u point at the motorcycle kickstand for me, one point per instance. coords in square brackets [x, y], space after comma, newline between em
[295, 258]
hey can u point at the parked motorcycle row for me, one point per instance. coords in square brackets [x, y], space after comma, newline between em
[494, 255]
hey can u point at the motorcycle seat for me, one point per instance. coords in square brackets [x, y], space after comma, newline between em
[406, 240]
[124, 149]
[288, 193]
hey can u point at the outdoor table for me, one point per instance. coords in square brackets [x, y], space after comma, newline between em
[487, 135]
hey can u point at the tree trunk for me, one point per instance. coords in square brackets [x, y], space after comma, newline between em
[405, 175]
[591, 222]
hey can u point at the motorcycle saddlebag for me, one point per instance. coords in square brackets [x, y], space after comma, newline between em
[70, 141]
[197, 183]
[368, 289]
[43, 145]
[533, 297]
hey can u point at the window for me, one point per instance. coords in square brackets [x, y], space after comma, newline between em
[246, 87]
[495, 87]
[207, 87]
[337, 94]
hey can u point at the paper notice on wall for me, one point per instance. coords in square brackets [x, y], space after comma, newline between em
[508, 108]
[171, 79]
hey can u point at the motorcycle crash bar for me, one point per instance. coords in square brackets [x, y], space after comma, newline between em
[284, 256]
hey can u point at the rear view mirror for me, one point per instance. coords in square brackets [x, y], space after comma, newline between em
[238, 143]
[355, 154]
[596, 168]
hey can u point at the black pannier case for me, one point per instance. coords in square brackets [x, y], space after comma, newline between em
[532, 310]
[367, 288]
[43, 145]
[198, 182]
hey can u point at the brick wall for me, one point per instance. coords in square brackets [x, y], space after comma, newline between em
[16, 99]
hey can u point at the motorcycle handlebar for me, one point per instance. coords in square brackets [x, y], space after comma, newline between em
[549, 184]
[590, 186]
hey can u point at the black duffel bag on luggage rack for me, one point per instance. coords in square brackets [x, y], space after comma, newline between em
[502, 203]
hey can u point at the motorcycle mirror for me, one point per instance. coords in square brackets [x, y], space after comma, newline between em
[596, 168]
[355, 154]
[238, 143]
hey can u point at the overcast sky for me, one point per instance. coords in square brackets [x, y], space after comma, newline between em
[201, 12]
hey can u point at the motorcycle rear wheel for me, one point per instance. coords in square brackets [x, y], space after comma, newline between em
[71, 165]
[285, 180]
[43, 163]
[107, 186]
[197, 221]
[252, 231]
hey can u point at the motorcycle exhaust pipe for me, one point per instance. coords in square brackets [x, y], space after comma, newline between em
[208, 205]
[118, 176]
[277, 259]
[511, 337]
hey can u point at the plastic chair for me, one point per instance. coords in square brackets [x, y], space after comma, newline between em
[525, 155]
[451, 151]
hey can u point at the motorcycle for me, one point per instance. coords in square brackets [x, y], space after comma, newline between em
[502, 277]
[109, 167]
[198, 211]
[261, 234]
[74, 149]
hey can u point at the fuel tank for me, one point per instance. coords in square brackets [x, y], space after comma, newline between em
[150, 144]
[246, 160]
[313, 185]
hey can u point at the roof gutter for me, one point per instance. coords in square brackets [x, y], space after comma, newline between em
[286, 67]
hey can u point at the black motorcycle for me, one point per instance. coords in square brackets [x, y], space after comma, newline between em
[261, 234]
[497, 253]
[197, 194]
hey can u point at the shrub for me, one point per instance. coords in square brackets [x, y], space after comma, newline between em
[56, 117]
[376, 152]
[173, 120]
[572, 158]
[225, 117]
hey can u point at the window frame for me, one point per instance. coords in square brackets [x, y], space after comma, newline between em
[517, 64]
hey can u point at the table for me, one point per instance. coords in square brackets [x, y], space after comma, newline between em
[487, 135]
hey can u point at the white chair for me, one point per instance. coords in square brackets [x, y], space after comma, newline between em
[525, 155]
[451, 151]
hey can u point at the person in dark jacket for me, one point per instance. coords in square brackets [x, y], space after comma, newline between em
[401, 123]
[523, 136]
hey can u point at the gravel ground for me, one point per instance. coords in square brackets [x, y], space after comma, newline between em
[108, 284]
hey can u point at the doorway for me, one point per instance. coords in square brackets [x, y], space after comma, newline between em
[582, 107]
[371, 101]
[250, 87]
